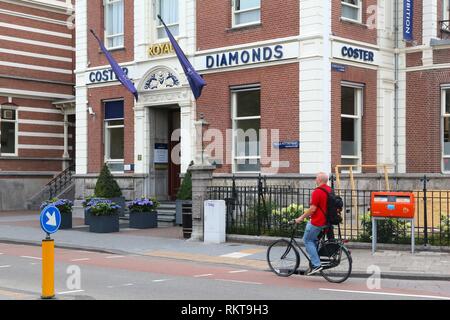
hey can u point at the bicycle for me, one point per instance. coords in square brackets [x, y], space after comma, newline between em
[335, 258]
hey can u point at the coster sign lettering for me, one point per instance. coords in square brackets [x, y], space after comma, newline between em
[244, 57]
[106, 75]
[358, 54]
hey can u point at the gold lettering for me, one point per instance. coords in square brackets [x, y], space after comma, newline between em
[160, 49]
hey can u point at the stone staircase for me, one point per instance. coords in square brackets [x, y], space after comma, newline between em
[166, 214]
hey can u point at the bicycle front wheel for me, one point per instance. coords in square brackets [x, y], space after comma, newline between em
[336, 261]
[283, 258]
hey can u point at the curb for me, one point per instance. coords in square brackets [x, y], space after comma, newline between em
[266, 241]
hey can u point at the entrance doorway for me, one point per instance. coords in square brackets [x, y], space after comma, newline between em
[174, 164]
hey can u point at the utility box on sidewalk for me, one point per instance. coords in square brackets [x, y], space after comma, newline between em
[215, 221]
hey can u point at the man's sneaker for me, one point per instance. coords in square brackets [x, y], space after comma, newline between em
[314, 270]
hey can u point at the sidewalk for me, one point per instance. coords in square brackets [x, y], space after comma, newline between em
[23, 228]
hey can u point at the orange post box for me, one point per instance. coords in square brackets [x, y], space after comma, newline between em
[393, 205]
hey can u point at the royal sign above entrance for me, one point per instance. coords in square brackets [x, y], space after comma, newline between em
[160, 49]
[355, 53]
[248, 56]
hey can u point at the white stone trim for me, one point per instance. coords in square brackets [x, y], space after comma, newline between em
[32, 17]
[43, 135]
[35, 94]
[39, 110]
[41, 122]
[34, 67]
[37, 43]
[35, 30]
[40, 147]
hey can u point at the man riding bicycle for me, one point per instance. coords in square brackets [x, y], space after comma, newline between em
[317, 223]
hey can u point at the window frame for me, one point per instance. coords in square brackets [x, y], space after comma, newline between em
[359, 90]
[444, 115]
[445, 10]
[235, 12]
[359, 7]
[107, 138]
[234, 119]
[16, 128]
[107, 37]
[159, 25]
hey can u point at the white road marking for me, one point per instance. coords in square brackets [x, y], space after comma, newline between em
[235, 255]
[161, 280]
[237, 281]
[7, 266]
[73, 291]
[238, 271]
[128, 284]
[203, 275]
[81, 259]
[388, 294]
[29, 257]
[114, 257]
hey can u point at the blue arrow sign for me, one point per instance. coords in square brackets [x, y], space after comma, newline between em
[50, 219]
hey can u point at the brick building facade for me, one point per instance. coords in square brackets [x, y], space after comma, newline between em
[37, 97]
[331, 82]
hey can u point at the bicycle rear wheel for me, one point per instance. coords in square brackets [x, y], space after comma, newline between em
[283, 258]
[336, 261]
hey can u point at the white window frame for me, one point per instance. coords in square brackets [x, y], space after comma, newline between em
[107, 138]
[16, 128]
[107, 36]
[359, 7]
[443, 116]
[235, 119]
[358, 117]
[235, 12]
[445, 10]
[159, 25]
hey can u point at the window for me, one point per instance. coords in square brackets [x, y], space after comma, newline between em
[114, 136]
[114, 23]
[8, 132]
[446, 130]
[168, 9]
[246, 12]
[246, 104]
[351, 106]
[351, 10]
[445, 10]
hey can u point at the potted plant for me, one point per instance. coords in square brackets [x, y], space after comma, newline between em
[143, 214]
[87, 208]
[107, 188]
[184, 205]
[65, 208]
[104, 216]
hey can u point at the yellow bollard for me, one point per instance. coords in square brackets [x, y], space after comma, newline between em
[48, 269]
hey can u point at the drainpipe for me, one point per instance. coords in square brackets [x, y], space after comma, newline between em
[396, 84]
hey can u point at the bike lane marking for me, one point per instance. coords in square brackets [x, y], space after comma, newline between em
[388, 294]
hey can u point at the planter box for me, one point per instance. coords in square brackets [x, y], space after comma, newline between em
[87, 216]
[104, 224]
[187, 218]
[121, 202]
[143, 220]
[66, 221]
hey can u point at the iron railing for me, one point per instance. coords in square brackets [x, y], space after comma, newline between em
[444, 26]
[60, 182]
[265, 210]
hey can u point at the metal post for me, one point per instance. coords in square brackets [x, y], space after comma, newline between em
[425, 218]
[413, 241]
[48, 268]
[374, 235]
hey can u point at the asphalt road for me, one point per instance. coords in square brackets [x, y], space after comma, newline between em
[92, 275]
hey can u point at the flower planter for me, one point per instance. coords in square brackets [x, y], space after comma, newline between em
[143, 220]
[120, 201]
[66, 221]
[104, 224]
[87, 216]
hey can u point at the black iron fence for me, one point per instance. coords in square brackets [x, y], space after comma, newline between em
[265, 210]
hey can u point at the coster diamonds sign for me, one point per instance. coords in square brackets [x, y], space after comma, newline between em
[408, 20]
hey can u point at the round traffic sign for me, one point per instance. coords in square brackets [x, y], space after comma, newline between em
[50, 219]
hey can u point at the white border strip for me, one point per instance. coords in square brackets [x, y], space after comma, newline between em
[39, 110]
[35, 30]
[388, 294]
[34, 67]
[37, 43]
[43, 135]
[35, 55]
[32, 17]
[40, 147]
[35, 94]
[41, 122]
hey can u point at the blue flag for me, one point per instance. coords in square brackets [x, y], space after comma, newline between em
[195, 80]
[408, 20]
[120, 74]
